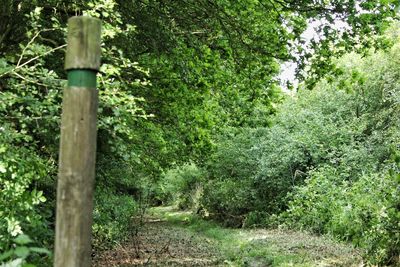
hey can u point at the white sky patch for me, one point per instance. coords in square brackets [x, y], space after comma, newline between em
[288, 68]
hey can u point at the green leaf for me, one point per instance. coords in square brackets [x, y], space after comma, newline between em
[14, 263]
[40, 250]
[6, 255]
[23, 240]
[22, 252]
[2, 168]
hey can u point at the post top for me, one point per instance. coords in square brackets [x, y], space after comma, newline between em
[83, 43]
[84, 18]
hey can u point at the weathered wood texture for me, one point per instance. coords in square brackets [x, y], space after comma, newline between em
[83, 50]
[78, 146]
[76, 178]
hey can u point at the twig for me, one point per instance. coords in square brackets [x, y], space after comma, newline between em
[33, 59]
[164, 248]
[26, 47]
[33, 118]
[29, 80]
[30, 42]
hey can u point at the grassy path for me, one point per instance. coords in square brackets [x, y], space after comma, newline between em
[175, 238]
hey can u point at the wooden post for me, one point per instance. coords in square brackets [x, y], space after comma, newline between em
[78, 145]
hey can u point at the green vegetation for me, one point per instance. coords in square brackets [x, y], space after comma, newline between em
[328, 163]
[257, 247]
[192, 113]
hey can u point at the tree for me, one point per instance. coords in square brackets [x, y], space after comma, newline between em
[198, 66]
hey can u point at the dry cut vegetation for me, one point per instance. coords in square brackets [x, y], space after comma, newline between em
[175, 238]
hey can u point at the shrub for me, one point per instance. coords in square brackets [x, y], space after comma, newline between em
[229, 194]
[236, 154]
[20, 170]
[112, 218]
[335, 135]
[313, 204]
[228, 201]
[182, 185]
[365, 212]
[23, 251]
[354, 195]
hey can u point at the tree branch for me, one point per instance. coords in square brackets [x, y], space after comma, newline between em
[33, 59]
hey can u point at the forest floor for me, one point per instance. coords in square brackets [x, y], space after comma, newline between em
[175, 238]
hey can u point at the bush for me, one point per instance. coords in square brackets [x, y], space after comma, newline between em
[20, 170]
[337, 134]
[236, 154]
[313, 204]
[112, 218]
[308, 131]
[228, 201]
[182, 186]
[23, 251]
[229, 194]
[366, 212]
[354, 195]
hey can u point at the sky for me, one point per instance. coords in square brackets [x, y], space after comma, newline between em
[288, 68]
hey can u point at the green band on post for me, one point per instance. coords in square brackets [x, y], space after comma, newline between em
[82, 78]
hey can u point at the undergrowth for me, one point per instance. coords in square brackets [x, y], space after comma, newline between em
[260, 247]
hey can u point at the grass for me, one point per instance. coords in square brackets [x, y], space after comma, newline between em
[262, 247]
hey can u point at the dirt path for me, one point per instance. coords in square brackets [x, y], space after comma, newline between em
[170, 238]
[162, 243]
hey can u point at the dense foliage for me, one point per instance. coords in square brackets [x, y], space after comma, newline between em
[188, 90]
[355, 197]
[329, 163]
